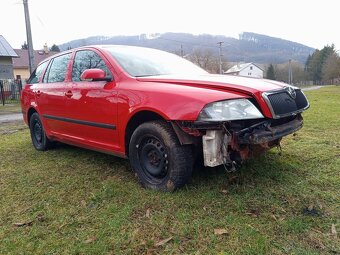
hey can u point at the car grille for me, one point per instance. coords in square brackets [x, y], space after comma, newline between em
[283, 104]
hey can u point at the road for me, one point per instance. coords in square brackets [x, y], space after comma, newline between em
[10, 117]
[312, 88]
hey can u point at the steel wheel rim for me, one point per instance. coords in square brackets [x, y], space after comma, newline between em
[38, 132]
[153, 158]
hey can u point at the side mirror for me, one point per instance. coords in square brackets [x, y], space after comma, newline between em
[94, 74]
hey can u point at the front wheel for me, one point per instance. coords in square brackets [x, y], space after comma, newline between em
[39, 139]
[157, 157]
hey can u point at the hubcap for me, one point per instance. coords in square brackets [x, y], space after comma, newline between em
[153, 158]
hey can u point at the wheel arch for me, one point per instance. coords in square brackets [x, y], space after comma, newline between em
[30, 113]
[136, 120]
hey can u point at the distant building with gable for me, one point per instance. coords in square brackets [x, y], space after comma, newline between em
[246, 69]
[21, 64]
[6, 59]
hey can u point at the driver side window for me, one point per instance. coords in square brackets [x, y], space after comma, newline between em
[87, 59]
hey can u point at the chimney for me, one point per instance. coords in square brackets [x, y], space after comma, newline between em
[45, 48]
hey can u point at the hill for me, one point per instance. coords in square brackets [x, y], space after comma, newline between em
[249, 47]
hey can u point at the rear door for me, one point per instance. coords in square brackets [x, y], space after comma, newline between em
[51, 95]
[92, 108]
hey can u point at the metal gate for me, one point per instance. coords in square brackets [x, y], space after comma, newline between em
[10, 91]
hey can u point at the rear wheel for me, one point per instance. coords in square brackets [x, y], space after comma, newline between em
[157, 157]
[38, 135]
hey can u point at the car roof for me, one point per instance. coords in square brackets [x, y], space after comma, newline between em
[100, 46]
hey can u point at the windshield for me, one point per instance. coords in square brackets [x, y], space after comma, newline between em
[139, 62]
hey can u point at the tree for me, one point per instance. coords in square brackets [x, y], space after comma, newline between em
[299, 74]
[206, 59]
[315, 63]
[55, 48]
[271, 72]
[331, 68]
[24, 46]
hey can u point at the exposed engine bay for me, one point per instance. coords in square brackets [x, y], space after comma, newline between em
[233, 142]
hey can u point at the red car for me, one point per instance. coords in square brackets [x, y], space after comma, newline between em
[157, 109]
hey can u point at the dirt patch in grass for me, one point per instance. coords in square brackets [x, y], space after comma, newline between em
[10, 108]
[12, 127]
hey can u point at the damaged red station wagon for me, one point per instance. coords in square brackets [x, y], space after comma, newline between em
[157, 109]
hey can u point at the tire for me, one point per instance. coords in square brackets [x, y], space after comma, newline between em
[157, 157]
[38, 135]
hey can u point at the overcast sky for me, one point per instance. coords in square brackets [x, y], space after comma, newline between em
[313, 23]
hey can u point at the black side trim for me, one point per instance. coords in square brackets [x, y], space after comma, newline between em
[81, 122]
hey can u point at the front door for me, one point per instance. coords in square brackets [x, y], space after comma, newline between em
[92, 106]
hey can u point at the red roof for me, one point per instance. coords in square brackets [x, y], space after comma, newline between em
[22, 60]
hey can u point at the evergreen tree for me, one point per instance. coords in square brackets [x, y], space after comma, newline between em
[271, 72]
[315, 63]
[55, 48]
[24, 46]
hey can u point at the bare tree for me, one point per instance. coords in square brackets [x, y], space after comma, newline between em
[206, 59]
[281, 72]
[331, 69]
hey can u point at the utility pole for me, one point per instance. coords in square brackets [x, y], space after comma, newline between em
[182, 53]
[290, 73]
[29, 37]
[220, 43]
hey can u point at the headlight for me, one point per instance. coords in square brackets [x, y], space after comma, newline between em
[236, 109]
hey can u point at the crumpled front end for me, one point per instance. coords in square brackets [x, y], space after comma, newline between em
[232, 142]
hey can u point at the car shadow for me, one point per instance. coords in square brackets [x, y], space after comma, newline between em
[271, 168]
[268, 168]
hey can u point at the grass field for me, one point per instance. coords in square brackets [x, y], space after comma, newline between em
[74, 201]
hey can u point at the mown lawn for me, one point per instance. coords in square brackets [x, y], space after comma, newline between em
[74, 201]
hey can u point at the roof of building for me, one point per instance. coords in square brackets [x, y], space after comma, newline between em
[240, 67]
[5, 48]
[22, 60]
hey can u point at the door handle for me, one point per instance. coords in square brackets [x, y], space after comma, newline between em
[69, 93]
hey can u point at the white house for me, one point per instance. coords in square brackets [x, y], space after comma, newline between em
[246, 69]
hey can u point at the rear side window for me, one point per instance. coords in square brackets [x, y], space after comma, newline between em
[87, 59]
[36, 75]
[57, 69]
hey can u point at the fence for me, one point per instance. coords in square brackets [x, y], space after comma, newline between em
[10, 91]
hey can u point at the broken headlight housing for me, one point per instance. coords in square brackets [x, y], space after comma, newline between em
[235, 109]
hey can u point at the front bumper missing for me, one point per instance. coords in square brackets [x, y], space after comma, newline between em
[225, 146]
[265, 132]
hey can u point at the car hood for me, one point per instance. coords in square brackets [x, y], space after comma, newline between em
[250, 86]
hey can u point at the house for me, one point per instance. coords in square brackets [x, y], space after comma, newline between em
[6, 55]
[21, 64]
[246, 69]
